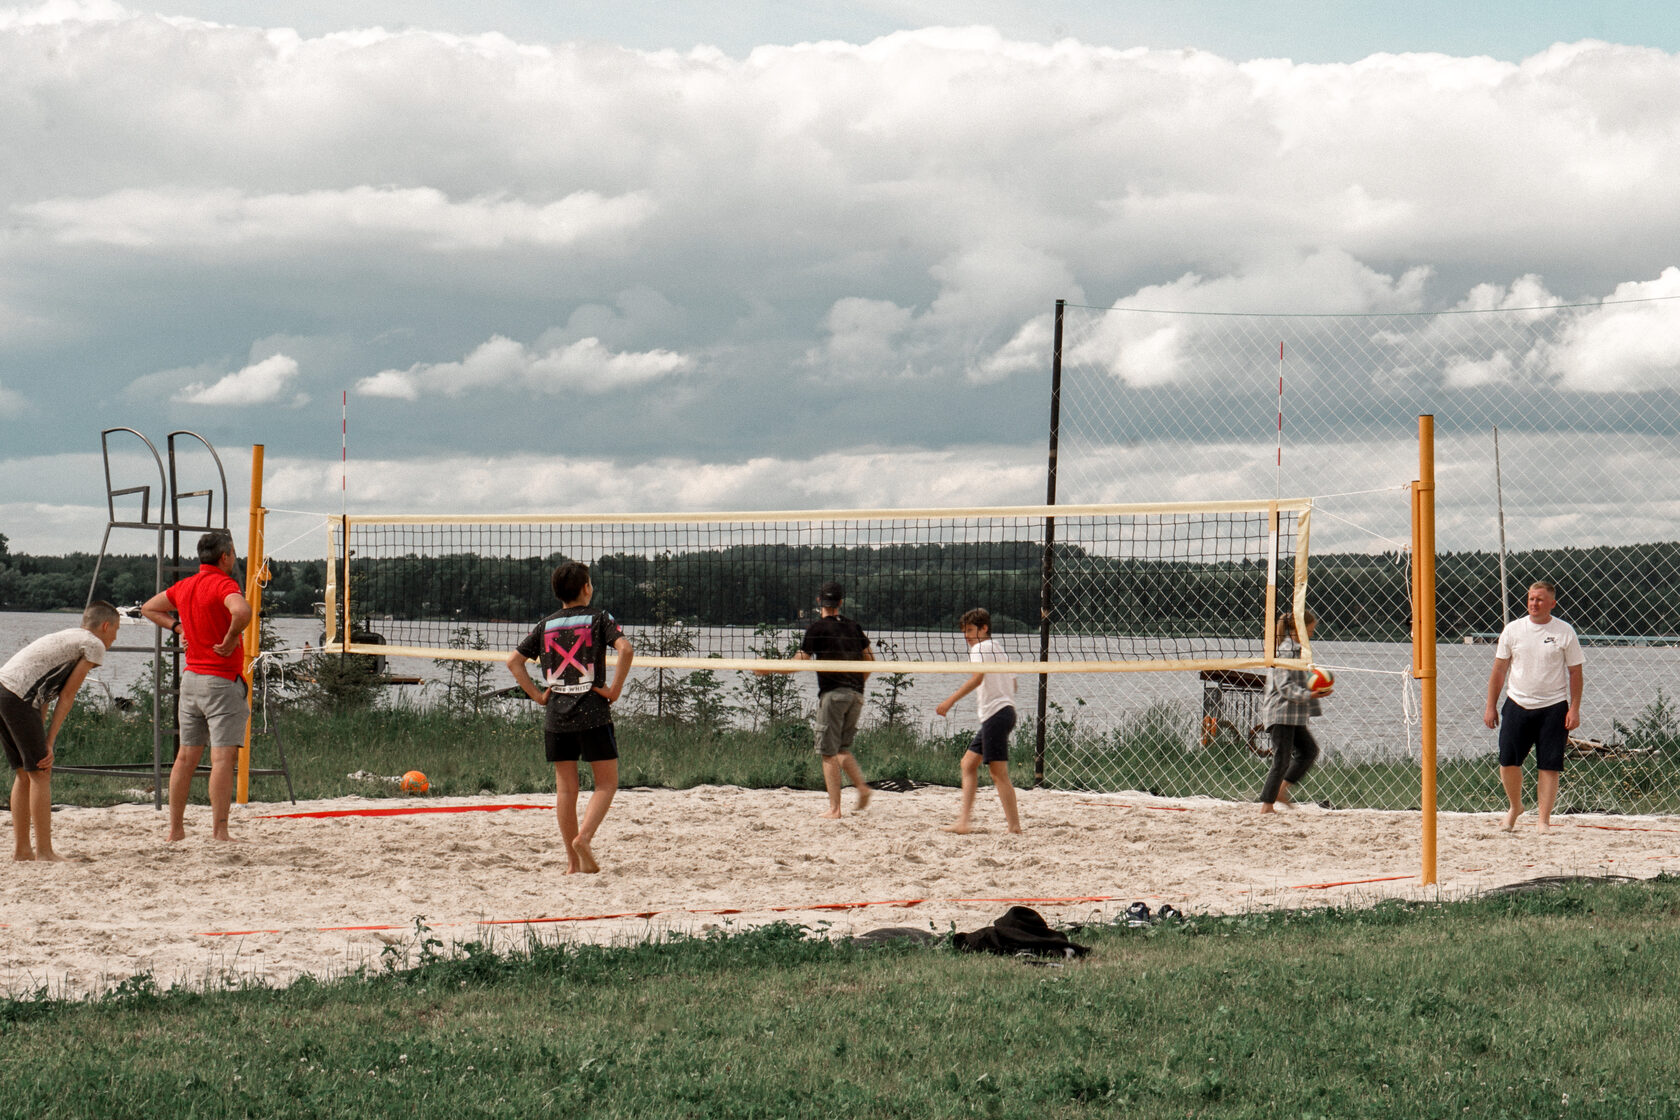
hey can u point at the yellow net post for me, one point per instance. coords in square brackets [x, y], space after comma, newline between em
[1271, 583]
[254, 561]
[1423, 562]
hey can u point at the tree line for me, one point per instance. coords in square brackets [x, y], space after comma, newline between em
[1628, 590]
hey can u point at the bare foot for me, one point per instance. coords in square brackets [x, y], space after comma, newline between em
[831, 815]
[1284, 801]
[226, 839]
[1267, 807]
[177, 834]
[24, 857]
[48, 857]
[864, 794]
[1017, 829]
[960, 828]
[1545, 826]
[586, 858]
[1510, 824]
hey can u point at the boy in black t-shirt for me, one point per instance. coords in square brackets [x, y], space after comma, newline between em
[570, 647]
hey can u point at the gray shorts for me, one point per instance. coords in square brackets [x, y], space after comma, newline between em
[213, 711]
[838, 712]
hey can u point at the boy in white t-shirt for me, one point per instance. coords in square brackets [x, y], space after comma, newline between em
[996, 696]
[1538, 663]
[47, 669]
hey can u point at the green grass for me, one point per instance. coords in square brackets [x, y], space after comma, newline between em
[1556, 1003]
[464, 755]
[497, 753]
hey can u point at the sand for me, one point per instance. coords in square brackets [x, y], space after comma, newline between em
[284, 901]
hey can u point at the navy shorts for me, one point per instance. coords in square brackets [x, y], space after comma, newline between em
[991, 742]
[1542, 729]
[597, 744]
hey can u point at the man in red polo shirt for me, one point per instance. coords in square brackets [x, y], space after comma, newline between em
[209, 613]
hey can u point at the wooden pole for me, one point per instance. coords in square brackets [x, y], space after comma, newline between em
[255, 558]
[1423, 557]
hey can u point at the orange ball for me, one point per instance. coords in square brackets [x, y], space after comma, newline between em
[1320, 679]
[414, 782]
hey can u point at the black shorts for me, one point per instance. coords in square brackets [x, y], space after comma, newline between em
[991, 742]
[597, 744]
[1542, 729]
[22, 734]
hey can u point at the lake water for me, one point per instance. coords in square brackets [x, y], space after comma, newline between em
[1366, 719]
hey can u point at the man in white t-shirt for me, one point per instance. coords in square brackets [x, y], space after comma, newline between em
[996, 695]
[1538, 664]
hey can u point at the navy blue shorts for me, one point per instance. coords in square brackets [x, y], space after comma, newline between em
[598, 744]
[1542, 729]
[991, 742]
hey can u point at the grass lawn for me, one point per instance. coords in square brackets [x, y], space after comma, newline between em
[1559, 1002]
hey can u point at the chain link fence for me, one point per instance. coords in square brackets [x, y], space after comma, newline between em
[1563, 417]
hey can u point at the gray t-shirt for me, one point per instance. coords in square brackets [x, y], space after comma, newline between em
[37, 672]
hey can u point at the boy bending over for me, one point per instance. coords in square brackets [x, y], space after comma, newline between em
[47, 669]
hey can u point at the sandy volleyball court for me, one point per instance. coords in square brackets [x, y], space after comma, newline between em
[689, 859]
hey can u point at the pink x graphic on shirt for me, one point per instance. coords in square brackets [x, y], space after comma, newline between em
[583, 637]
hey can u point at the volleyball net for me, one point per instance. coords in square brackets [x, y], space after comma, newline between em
[1070, 588]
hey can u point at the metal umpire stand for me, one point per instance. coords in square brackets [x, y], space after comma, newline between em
[169, 567]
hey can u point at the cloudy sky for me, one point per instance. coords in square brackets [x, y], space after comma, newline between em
[755, 255]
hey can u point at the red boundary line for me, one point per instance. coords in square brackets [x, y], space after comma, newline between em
[1126, 805]
[1349, 883]
[1622, 827]
[407, 811]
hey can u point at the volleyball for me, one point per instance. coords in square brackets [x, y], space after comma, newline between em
[414, 782]
[1320, 679]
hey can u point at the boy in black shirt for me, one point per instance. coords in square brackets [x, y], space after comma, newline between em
[834, 637]
[570, 645]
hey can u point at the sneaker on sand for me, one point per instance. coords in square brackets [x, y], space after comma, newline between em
[1137, 914]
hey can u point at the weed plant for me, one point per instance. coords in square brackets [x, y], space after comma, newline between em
[1555, 1003]
[496, 747]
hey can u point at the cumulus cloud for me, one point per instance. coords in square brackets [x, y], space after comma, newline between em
[264, 382]
[1153, 337]
[899, 215]
[1630, 343]
[584, 366]
[420, 216]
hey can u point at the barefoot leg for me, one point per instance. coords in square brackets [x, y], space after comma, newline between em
[21, 850]
[40, 809]
[600, 800]
[848, 764]
[1511, 778]
[180, 789]
[831, 780]
[970, 787]
[1546, 783]
[565, 810]
[224, 762]
[1006, 794]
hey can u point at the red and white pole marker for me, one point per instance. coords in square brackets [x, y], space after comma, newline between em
[1277, 485]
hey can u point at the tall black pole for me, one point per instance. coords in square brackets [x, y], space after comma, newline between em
[1047, 587]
